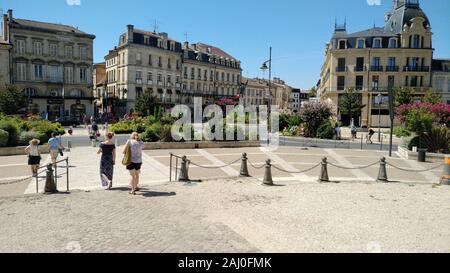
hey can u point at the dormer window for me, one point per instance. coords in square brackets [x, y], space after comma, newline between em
[342, 44]
[377, 43]
[146, 40]
[361, 43]
[415, 41]
[392, 43]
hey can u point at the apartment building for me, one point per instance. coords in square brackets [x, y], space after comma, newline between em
[51, 64]
[376, 60]
[256, 92]
[102, 103]
[281, 94]
[441, 78]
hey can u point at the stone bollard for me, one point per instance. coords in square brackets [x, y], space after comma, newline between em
[50, 186]
[184, 176]
[324, 171]
[382, 174]
[268, 181]
[244, 167]
[445, 179]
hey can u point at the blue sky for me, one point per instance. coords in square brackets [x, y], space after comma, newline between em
[296, 29]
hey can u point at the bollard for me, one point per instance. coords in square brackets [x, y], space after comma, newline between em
[382, 174]
[94, 143]
[268, 181]
[445, 179]
[50, 186]
[244, 167]
[184, 176]
[324, 171]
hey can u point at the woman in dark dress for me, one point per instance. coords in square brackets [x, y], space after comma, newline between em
[108, 151]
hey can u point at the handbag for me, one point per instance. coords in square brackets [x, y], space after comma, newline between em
[126, 161]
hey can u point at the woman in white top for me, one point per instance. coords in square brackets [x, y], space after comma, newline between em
[34, 158]
[135, 143]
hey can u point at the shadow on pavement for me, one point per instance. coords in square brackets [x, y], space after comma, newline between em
[145, 192]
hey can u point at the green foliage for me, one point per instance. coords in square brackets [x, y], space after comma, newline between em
[12, 100]
[419, 121]
[44, 128]
[351, 103]
[166, 133]
[146, 103]
[403, 95]
[401, 132]
[4, 136]
[437, 140]
[314, 115]
[12, 128]
[325, 131]
[312, 92]
[432, 97]
[26, 137]
[150, 135]
[415, 143]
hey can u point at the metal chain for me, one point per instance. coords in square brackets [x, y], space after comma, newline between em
[215, 167]
[256, 167]
[353, 168]
[296, 172]
[414, 171]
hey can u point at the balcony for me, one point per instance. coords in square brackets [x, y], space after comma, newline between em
[360, 68]
[416, 68]
[138, 81]
[341, 69]
[54, 80]
[376, 68]
[392, 68]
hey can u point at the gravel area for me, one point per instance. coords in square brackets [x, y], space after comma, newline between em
[236, 215]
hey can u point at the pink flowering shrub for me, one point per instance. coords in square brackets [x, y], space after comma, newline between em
[440, 111]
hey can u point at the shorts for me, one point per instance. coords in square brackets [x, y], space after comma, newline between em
[34, 160]
[134, 166]
[54, 154]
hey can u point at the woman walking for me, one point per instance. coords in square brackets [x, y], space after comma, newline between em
[134, 147]
[108, 160]
[34, 158]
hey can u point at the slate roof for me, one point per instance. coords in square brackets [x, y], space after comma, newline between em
[48, 26]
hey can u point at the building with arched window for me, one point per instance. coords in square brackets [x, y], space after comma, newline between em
[376, 60]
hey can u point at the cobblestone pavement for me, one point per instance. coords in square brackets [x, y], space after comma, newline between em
[237, 215]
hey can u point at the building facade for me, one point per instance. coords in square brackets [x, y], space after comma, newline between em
[298, 97]
[101, 103]
[256, 92]
[441, 78]
[281, 94]
[174, 72]
[52, 64]
[379, 59]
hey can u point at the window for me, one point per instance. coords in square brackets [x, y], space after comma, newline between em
[192, 73]
[83, 53]
[30, 92]
[205, 75]
[392, 43]
[391, 61]
[414, 81]
[139, 77]
[160, 61]
[172, 46]
[37, 48]
[21, 71]
[53, 73]
[150, 63]
[149, 78]
[199, 74]
[185, 73]
[138, 59]
[169, 79]
[415, 41]
[83, 74]
[342, 44]
[169, 63]
[359, 82]
[68, 74]
[228, 77]
[223, 76]
[53, 50]
[68, 52]
[375, 82]
[341, 83]
[341, 65]
[391, 82]
[377, 43]
[146, 40]
[448, 85]
[361, 43]
[38, 71]
[21, 46]
[359, 64]
[376, 61]
[178, 64]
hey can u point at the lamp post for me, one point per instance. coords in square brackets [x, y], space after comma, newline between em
[379, 117]
[269, 103]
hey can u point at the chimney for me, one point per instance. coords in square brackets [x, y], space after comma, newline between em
[130, 33]
[10, 15]
[5, 29]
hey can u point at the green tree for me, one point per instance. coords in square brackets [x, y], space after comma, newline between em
[146, 103]
[351, 103]
[12, 100]
[432, 97]
[312, 92]
[403, 95]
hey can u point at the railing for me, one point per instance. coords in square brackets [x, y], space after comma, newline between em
[416, 69]
[360, 68]
[392, 68]
[341, 69]
[376, 68]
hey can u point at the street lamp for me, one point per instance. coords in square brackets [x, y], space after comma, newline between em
[379, 117]
[264, 67]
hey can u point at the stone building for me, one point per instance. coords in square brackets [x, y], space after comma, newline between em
[256, 92]
[209, 73]
[52, 64]
[376, 60]
[281, 94]
[102, 103]
[441, 78]
[298, 97]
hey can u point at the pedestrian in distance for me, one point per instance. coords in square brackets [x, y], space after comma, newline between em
[354, 132]
[371, 134]
[55, 148]
[108, 160]
[337, 131]
[133, 160]
[34, 157]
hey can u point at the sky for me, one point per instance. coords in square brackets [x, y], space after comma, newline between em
[298, 30]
